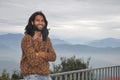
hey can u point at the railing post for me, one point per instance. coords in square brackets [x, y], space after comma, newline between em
[70, 76]
[61, 77]
[78, 76]
[89, 74]
[111, 71]
[74, 76]
[65, 77]
[56, 78]
[82, 75]
[118, 72]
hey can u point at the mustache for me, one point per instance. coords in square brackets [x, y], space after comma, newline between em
[34, 27]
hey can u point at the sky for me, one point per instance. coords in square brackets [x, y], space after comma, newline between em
[75, 20]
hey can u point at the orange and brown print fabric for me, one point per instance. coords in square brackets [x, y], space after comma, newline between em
[36, 55]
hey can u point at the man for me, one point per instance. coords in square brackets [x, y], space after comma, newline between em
[37, 49]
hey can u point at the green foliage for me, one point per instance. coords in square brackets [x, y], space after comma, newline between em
[15, 76]
[69, 64]
[5, 75]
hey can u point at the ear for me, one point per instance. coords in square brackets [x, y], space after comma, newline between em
[32, 22]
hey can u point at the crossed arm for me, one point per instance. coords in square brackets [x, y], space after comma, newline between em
[37, 58]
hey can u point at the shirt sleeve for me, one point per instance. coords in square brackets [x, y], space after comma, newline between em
[29, 52]
[51, 54]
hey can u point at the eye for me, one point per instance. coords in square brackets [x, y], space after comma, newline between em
[42, 20]
[37, 20]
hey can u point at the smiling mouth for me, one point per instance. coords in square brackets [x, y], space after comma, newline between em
[40, 25]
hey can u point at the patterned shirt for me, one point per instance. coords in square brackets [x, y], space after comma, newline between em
[36, 55]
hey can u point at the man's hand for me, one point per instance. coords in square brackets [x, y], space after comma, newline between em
[41, 54]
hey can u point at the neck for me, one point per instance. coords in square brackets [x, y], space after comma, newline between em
[38, 33]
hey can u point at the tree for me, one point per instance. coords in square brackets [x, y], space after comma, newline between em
[5, 75]
[16, 75]
[69, 64]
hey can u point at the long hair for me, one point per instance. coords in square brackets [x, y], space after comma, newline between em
[29, 29]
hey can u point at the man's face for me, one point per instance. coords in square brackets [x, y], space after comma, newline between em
[39, 22]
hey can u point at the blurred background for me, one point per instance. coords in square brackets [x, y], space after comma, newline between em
[84, 28]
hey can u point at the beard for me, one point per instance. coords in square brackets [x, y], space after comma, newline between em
[35, 28]
[44, 31]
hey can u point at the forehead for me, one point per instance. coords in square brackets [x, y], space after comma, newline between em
[39, 17]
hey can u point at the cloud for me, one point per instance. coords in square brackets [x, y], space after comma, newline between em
[67, 19]
[11, 29]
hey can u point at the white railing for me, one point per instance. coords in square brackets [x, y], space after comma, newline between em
[105, 73]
